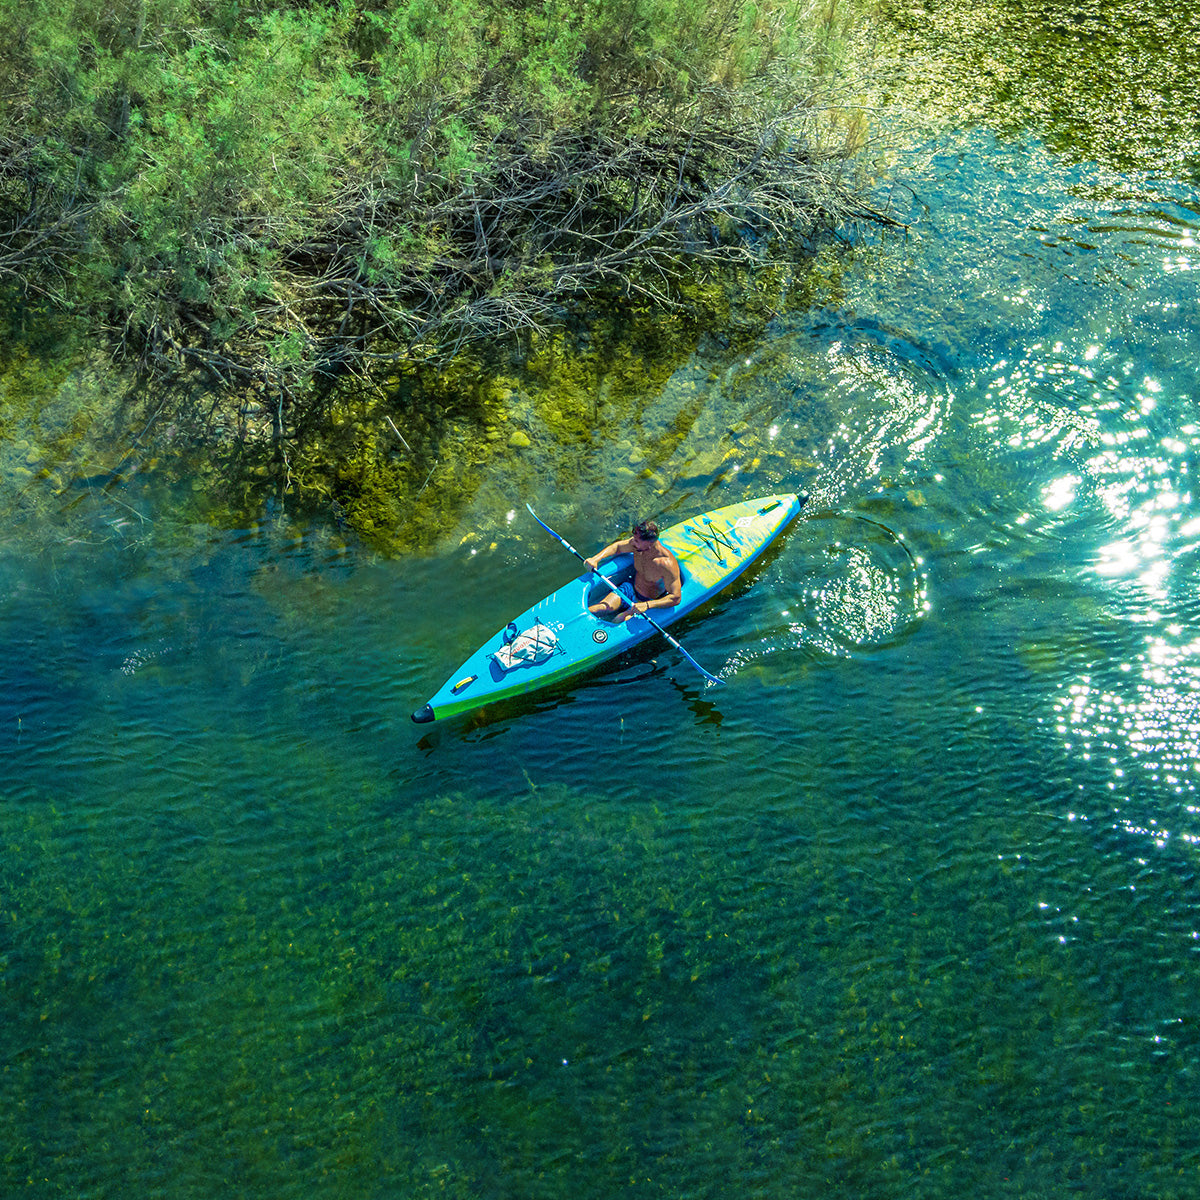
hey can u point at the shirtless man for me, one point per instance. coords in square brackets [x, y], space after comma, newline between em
[656, 579]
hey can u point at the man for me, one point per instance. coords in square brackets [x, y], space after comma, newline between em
[656, 579]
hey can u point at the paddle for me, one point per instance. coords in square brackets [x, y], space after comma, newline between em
[624, 600]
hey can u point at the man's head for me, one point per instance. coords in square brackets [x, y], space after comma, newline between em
[646, 532]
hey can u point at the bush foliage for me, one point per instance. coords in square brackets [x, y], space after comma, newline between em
[271, 191]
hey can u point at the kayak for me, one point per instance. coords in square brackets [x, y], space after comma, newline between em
[558, 637]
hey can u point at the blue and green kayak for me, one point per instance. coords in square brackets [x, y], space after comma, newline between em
[558, 637]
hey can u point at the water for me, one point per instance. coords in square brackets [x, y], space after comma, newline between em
[907, 908]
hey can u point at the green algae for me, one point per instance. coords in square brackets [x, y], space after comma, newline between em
[557, 991]
[54, 413]
[406, 461]
[1073, 72]
[81, 462]
[621, 391]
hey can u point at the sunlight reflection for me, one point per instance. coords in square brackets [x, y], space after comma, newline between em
[907, 407]
[1148, 551]
[1061, 493]
[1099, 428]
[1148, 732]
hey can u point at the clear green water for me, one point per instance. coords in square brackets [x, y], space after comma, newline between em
[907, 909]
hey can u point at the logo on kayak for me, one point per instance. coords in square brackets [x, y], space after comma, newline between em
[599, 635]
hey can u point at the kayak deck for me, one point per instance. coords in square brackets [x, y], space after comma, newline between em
[558, 637]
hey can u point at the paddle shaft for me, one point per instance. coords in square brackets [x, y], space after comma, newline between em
[604, 579]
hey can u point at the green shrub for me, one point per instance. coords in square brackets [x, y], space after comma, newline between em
[215, 181]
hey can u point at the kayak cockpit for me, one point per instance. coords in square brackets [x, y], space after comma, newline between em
[620, 572]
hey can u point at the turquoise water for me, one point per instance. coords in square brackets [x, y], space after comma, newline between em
[905, 909]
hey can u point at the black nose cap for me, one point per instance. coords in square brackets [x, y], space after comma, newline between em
[423, 715]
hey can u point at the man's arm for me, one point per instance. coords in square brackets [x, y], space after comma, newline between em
[610, 551]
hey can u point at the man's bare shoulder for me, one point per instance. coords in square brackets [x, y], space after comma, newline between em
[667, 561]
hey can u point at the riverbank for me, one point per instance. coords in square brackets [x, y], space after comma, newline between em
[276, 201]
[357, 330]
[404, 455]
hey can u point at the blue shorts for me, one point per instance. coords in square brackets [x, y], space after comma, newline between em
[630, 592]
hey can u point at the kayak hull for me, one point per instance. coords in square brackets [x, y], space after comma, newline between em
[713, 549]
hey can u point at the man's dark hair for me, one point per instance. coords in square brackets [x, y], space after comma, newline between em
[647, 531]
